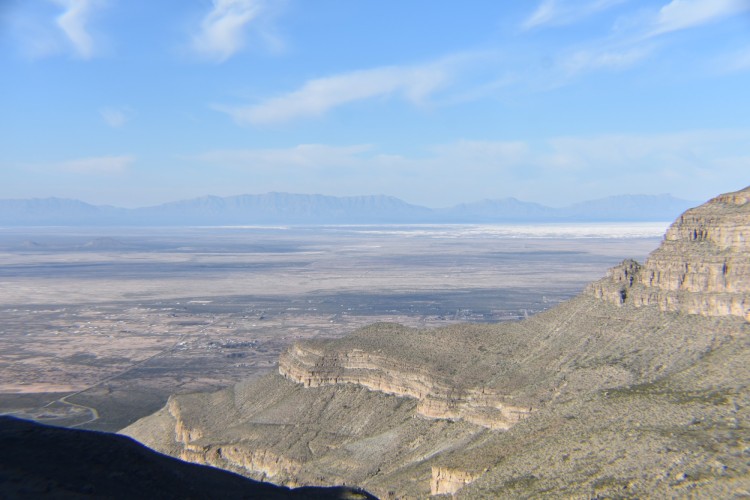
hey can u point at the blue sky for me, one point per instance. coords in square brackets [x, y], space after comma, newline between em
[137, 102]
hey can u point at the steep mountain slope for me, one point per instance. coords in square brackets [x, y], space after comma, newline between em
[638, 387]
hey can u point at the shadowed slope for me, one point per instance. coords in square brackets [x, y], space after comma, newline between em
[53, 462]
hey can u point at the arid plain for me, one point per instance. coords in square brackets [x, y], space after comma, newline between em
[99, 326]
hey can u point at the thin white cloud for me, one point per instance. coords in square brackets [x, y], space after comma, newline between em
[53, 27]
[561, 12]
[631, 40]
[683, 14]
[115, 117]
[543, 14]
[73, 24]
[556, 170]
[603, 58]
[471, 154]
[34, 38]
[222, 31]
[96, 165]
[626, 163]
[737, 62]
[300, 156]
[634, 36]
[675, 15]
[320, 95]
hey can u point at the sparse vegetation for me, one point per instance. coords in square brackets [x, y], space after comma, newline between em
[610, 399]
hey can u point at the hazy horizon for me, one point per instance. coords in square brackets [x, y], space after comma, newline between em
[356, 195]
[554, 101]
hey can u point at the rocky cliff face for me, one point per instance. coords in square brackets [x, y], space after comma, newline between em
[638, 387]
[448, 481]
[702, 267]
[437, 397]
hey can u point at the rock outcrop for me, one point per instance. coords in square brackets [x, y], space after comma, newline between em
[448, 481]
[702, 267]
[437, 397]
[638, 387]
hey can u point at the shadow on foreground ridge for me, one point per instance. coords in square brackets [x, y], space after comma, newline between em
[53, 462]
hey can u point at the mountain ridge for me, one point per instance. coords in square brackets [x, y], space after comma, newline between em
[316, 209]
[638, 387]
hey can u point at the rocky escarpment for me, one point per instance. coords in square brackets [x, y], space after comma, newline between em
[639, 387]
[437, 398]
[264, 463]
[276, 430]
[447, 481]
[702, 267]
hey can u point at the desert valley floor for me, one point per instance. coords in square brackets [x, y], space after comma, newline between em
[99, 326]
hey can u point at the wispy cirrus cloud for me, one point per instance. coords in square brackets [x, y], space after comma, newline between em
[317, 96]
[558, 169]
[53, 27]
[603, 58]
[561, 12]
[115, 117]
[96, 165]
[73, 23]
[634, 36]
[736, 62]
[222, 31]
[543, 14]
[693, 163]
[683, 14]
[673, 16]
[300, 156]
[631, 40]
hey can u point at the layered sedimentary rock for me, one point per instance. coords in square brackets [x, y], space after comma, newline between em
[702, 267]
[448, 481]
[437, 396]
[638, 387]
[276, 430]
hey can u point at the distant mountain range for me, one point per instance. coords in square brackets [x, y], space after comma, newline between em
[302, 209]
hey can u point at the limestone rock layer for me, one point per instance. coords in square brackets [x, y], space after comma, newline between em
[702, 267]
[437, 397]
